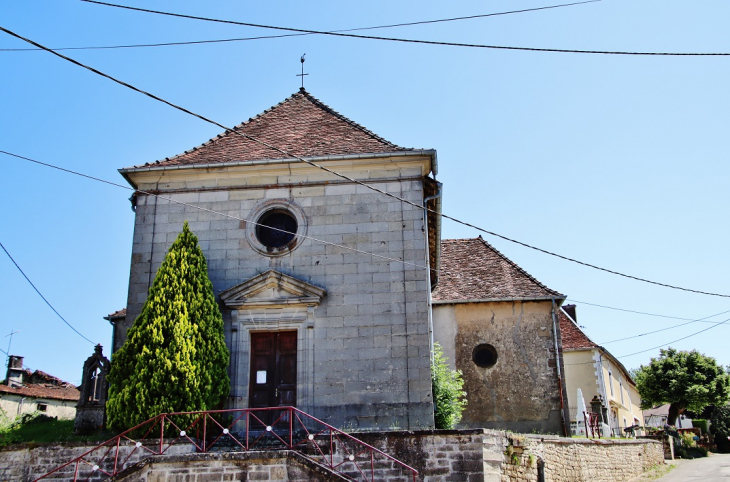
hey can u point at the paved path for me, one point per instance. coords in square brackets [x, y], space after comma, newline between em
[715, 468]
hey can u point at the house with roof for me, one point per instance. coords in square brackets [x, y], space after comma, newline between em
[26, 391]
[497, 324]
[603, 380]
[325, 284]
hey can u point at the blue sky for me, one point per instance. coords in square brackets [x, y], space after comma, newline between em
[619, 161]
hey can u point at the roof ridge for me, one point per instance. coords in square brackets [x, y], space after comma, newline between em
[300, 93]
[518, 267]
[342, 117]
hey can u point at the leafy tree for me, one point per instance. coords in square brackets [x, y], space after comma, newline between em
[720, 428]
[175, 357]
[687, 380]
[448, 394]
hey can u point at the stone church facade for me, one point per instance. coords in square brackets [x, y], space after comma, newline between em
[324, 284]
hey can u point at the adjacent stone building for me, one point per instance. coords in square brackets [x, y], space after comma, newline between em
[325, 284]
[25, 391]
[497, 324]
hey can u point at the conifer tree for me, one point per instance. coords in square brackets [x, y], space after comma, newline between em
[175, 357]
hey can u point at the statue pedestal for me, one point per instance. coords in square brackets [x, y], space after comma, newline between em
[89, 418]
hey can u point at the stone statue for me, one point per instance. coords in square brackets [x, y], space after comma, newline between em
[91, 409]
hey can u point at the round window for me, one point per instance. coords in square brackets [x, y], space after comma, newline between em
[276, 228]
[484, 355]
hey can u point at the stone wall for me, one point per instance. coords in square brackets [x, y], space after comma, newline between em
[521, 391]
[281, 466]
[363, 352]
[28, 463]
[537, 458]
[469, 455]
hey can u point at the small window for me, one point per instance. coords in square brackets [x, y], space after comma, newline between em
[484, 355]
[610, 382]
[42, 407]
[276, 228]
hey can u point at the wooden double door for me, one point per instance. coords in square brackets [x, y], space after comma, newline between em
[273, 381]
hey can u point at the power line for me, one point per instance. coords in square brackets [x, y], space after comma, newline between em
[394, 39]
[347, 178]
[668, 328]
[643, 312]
[194, 42]
[675, 341]
[231, 216]
[43, 297]
[336, 245]
[663, 344]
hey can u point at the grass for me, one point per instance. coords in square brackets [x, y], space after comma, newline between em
[39, 429]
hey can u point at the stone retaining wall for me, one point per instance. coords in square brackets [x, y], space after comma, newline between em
[468, 455]
[555, 459]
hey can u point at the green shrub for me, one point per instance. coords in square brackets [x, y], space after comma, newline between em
[700, 424]
[449, 398]
[175, 357]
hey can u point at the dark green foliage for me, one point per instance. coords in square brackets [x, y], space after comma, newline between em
[720, 428]
[688, 380]
[175, 357]
[449, 398]
[700, 424]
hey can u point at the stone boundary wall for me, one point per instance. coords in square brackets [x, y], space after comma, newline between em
[30, 462]
[271, 466]
[438, 455]
[531, 458]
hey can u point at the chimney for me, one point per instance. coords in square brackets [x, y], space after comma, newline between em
[570, 310]
[14, 377]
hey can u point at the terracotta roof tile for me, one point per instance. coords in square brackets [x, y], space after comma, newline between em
[471, 269]
[40, 384]
[571, 334]
[116, 314]
[43, 391]
[300, 125]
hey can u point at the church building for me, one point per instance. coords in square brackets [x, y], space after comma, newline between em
[325, 284]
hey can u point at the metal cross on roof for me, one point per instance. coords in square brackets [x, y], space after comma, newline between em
[302, 74]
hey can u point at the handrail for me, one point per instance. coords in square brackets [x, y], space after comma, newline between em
[271, 428]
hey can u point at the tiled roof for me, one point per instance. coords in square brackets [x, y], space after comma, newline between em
[571, 334]
[300, 125]
[42, 391]
[40, 384]
[471, 269]
[116, 314]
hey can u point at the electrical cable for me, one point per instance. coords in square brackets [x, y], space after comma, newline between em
[640, 312]
[319, 166]
[338, 245]
[393, 39]
[166, 44]
[668, 328]
[317, 240]
[231, 216]
[43, 297]
[675, 341]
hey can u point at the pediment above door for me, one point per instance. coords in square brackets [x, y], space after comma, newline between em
[270, 289]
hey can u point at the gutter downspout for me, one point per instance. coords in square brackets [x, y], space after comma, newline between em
[428, 266]
[558, 356]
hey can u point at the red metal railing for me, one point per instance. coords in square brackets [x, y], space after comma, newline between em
[242, 430]
[593, 424]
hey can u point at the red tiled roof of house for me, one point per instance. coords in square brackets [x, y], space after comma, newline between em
[40, 384]
[471, 269]
[301, 125]
[571, 334]
[43, 391]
